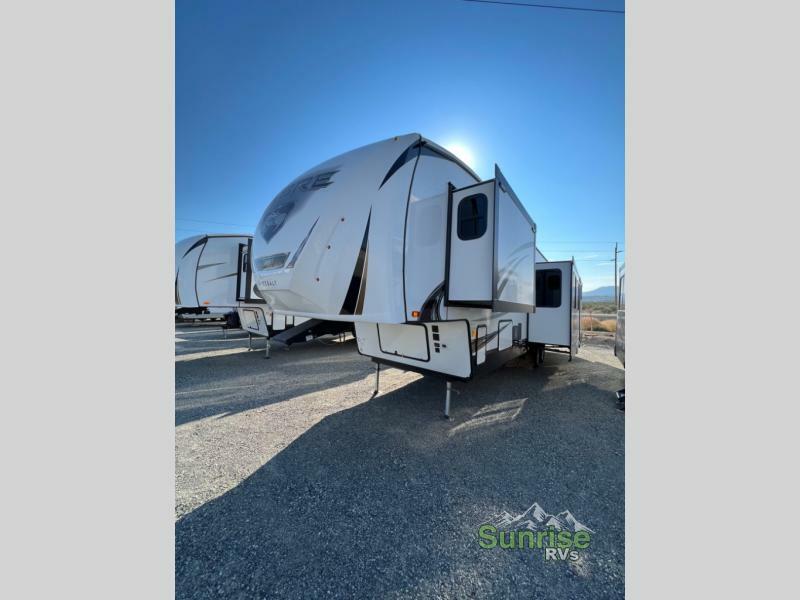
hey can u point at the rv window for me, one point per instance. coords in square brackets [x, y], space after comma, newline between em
[548, 288]
[472, 217]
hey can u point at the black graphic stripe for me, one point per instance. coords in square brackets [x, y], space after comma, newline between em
[480, 342]
[197, 244]
[430, 308]
[351, 299]
[408, 155]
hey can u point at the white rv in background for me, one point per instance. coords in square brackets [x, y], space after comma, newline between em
[213, 279]
[435, 267]
[619, 336]
[557, 320]
[206, 275]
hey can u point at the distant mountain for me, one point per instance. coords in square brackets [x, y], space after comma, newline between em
[602, 293]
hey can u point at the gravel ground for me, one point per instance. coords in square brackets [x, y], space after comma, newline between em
[292, 482]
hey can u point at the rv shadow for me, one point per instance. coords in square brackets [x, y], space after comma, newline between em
[206, 340]
[232, 383]
[384, 499]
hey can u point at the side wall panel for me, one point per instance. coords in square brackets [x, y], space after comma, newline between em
[515, 253]
[426, 229]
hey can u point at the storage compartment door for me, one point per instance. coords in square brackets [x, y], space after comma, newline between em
[470, 235]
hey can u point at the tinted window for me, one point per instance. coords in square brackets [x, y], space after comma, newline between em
[548, 288]
[472, 217]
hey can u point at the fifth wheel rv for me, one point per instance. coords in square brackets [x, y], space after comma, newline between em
[435, 267]
[205, 275]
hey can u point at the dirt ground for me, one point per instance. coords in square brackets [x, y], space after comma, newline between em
[293, 481]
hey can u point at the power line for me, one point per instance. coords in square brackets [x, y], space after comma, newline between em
[213, 222]
[599, 10]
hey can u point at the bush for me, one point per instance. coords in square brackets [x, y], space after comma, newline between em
[592, 324]
[609, 325]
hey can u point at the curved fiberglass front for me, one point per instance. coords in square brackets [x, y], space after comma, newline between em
[330, 245]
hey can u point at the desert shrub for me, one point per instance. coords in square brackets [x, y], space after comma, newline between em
[587, 323]
[608, 325]
[592, 324]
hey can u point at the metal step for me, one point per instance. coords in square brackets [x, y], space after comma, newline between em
[308, 330]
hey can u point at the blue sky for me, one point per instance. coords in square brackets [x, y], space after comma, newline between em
[268, 89]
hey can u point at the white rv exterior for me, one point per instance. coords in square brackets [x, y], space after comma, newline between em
[254, 315]
[206, 274]
[557, 320]
[619, 336]
[435, 267]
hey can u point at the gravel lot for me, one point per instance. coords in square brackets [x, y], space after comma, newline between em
[293, 482]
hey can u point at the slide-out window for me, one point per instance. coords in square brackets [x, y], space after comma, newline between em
[472, 217]
[548, 288]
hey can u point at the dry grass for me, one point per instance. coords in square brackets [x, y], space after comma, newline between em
[591, 324]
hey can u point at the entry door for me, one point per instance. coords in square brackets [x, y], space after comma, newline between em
[470, 234]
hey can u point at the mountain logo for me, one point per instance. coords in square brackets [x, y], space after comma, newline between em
[536, 519]
[560, 535]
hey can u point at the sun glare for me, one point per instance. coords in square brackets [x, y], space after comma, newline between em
[463, 152]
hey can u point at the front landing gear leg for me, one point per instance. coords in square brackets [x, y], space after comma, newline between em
[447, 400]
[377, 379]
[266, 349]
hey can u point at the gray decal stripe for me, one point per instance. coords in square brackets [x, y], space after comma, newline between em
[301, 246]
[209, 265]
[502, 283]
[225, 276]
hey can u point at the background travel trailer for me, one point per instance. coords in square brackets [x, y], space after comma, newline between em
[435, 267]
[206, 275]
[214, 279]
[557, 320]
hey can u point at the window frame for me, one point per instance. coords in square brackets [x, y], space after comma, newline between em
[545, 275]
[475, 219]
